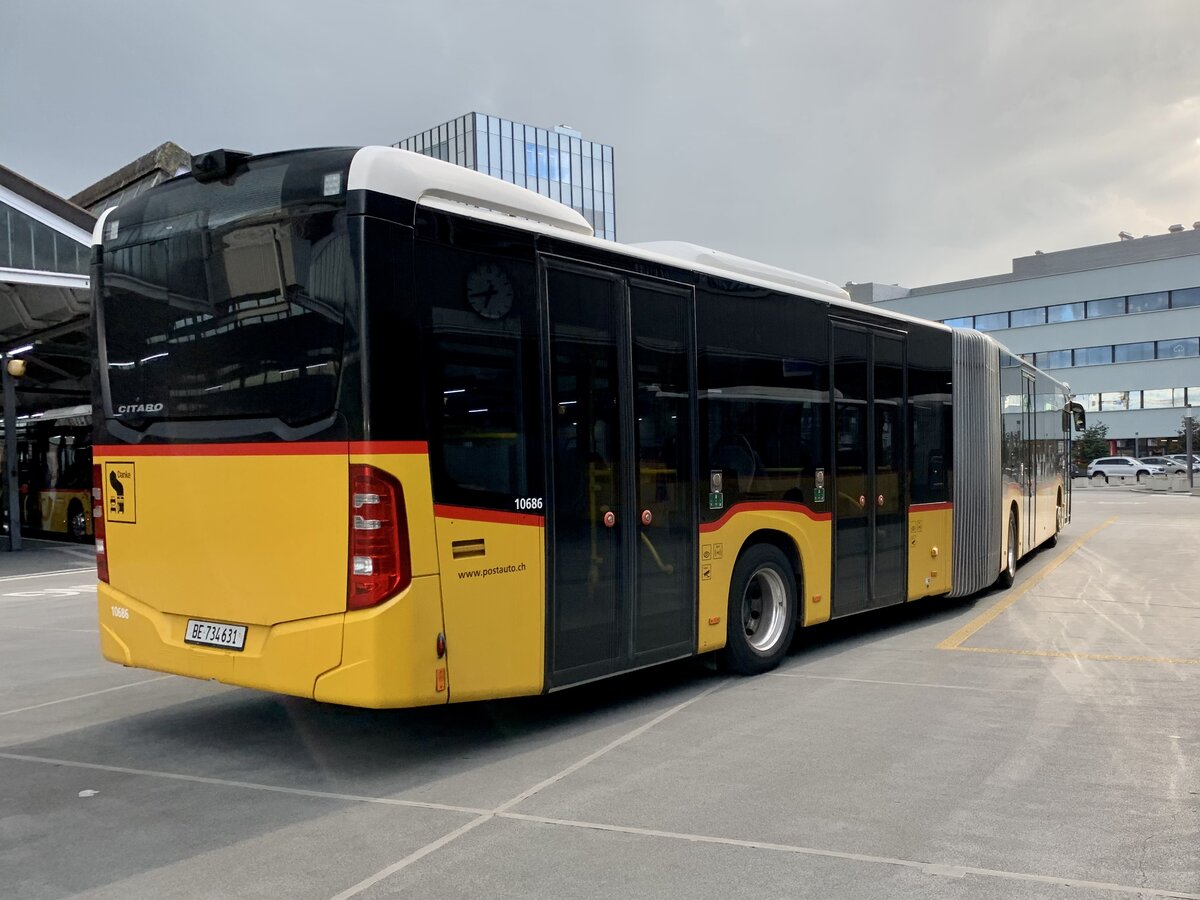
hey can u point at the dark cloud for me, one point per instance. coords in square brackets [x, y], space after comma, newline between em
[894, 141]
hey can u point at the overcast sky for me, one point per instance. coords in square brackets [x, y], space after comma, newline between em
[892, 141]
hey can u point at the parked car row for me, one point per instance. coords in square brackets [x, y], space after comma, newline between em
[1137, 469]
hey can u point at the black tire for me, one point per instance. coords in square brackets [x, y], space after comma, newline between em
[763, 582]
[76, 522]
[1140, 473]
[1010, 558]
[1052, 541]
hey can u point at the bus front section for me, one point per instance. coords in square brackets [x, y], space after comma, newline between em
[246, 531]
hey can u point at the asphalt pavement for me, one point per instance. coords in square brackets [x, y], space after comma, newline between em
[1039, 742]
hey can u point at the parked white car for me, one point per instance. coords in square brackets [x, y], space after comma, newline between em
[1181, 458]
[1124, 467]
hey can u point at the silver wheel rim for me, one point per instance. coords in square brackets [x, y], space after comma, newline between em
[764, 609]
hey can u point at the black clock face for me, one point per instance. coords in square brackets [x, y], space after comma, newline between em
[489, 292]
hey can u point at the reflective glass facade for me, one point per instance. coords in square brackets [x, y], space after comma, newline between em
[556, 163]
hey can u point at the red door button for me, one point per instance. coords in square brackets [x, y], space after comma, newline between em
[610, 519]
[647, 517]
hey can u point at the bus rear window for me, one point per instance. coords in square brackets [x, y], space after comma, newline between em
[219, 301]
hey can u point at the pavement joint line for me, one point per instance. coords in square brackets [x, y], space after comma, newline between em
[1099, 657]
[117, 687]
[955, 640]
[502, 809]
[46, 574]
[247, 785]
[50, 628]
[924, 684]
[953, 871]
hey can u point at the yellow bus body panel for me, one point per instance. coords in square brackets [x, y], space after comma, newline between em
[246, 539]
[493, 590]
[389, 654]
[287, 657]
[720, 543]
[930, 549]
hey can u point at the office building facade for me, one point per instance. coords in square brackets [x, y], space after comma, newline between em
[555, 162]
[1119, 322]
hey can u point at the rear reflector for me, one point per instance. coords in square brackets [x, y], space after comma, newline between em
[380, 565]
[98, 524]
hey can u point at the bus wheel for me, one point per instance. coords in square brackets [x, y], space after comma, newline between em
[77, 522]
[1052, 541]
[1010, 558]
[762, 611]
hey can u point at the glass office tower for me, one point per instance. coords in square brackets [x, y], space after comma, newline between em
[557, 163]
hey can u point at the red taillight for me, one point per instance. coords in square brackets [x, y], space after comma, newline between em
[379, 558]
[98, 524]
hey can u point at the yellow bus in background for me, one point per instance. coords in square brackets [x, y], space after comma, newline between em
[379, 430]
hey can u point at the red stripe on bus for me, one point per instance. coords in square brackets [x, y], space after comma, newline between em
[487, 515]
[926, 507]
[286, 448]
[763, 506]
[395, 447]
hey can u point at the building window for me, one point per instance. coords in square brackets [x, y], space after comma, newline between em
[992, 321]
[1185, 297]
[1112, 306]
[1148, 302]
[961, 322]
[1053, 359]
[1162, 398]
[1133, 352]
[1065, 312]
[1090, 402]
[1178, 348]
[1023, 318]
[1114, 400]
[1093, 356]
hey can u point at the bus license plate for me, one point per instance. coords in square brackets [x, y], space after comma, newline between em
[215, 634]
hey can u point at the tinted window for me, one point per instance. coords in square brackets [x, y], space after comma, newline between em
[1185, 297]
[1022, 318]
[992, 321]
[1112, 306]
[483, 393]
[1053, 359]
[1133, 352]
[1178, 348]
[1064, 312]
[1093, 356]
[1148, 302]
[239, 311]
[763, 395]
[929, 399]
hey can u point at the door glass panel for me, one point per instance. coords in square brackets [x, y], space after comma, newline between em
[584, 319]
[890, 501]
[661, 323]
[852, 466]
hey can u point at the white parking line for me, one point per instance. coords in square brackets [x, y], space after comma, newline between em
[524, 795]
[923, 684]
[249, 785]
[952, 871]
[119, 687]
[46, 574]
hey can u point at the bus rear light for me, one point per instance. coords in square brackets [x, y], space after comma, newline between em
[98, 530]
[380, 565]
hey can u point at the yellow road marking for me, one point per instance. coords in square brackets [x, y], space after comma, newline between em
[955, 640]
[1063, 654]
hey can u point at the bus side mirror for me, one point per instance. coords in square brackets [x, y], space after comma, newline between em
[1078, 416]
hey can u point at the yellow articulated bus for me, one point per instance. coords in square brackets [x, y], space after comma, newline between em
[379, 430]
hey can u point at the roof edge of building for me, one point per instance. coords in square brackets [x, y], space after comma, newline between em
[65, 209]
[167, 156]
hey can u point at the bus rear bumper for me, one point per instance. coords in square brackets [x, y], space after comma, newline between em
[286, 658]
[381, 657]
